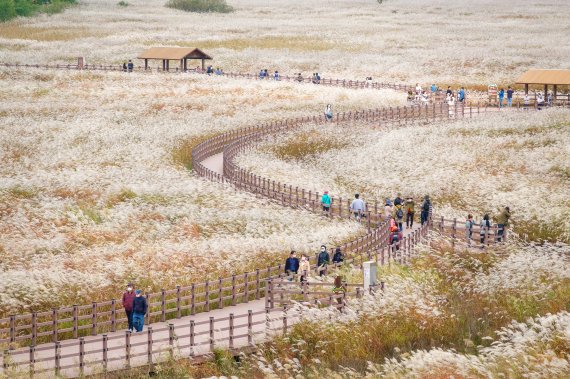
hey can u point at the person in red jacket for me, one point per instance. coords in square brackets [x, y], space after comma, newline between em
[128, 298]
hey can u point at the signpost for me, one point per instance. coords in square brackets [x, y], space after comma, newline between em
[369, 268]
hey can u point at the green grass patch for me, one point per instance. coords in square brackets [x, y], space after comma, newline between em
[10, 9]
[305, 145]
[182, 153]
[200, 6]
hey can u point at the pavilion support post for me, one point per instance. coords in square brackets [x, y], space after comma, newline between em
[203, 65]
[163, 64]
[526, 89]
[545, 91]
[168, 65]
[554, 89]
[146, 64]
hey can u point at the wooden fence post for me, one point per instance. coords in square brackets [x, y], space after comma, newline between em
[231, 331]
[149, 343]
[207, 294]
[171, 340]
[94, 319]
[192, 336]
[54, 321]
[220, 293]
[75, 321]
[32, 361]
[250, 327]
[178, 302]
[35, 328]
[57, 356]
[81, 356]
[105, 357]
[113, 315]
[193, 296]
[212, 344]
[233, 289]
[246, 288]
[12, 328]
[162, 305]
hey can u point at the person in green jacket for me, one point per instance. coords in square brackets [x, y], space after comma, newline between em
[502, 221]
[326, 202]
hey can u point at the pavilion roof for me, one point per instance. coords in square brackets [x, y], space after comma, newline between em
[173, 53]
[561, 77]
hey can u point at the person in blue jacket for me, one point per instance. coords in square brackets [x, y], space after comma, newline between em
[292, 264]
[501, 97]
[140, 307]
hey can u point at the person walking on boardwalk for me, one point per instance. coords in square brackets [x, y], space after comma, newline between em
[323, 260]
[276, 76]
[502, 221]
[305, 268]
[485, 226]
[426, 205]
[338, 258]
[326, 202]
[469, 228]
[140, 307]
[128, 297]
[130, 66]
[461, 95]
[398, 200]
[292, 264]
[358, 207]
[410, 206]
[501, 97]
[388, 209]
[328, 112]
[398, 215]
[510, 97]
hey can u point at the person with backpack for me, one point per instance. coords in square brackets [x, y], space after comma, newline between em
[398, 200]
[338, 258]
[276, 76]
[484, 227]
[395, 235]
[140, 307]
[292, 264]
[326, 202]
[409, 206]
[469, 228]
[501, 97]
[130, 66]
[461, 95]
[323, 260]
[502, 221]
[128, 298]
[398, 215]
[426, 205]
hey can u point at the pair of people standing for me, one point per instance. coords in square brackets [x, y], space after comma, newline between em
[135, 306]
[509, 93]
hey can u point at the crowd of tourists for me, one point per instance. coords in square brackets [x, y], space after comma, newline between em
[501, 219]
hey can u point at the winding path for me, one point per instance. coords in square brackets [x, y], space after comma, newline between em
[242, 324]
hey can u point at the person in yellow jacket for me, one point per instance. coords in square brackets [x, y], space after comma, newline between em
[304, 268]
[410, 211]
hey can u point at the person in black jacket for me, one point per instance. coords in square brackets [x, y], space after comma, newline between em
[292, 264]
[139, 310]
[323, 260]
[338, 257]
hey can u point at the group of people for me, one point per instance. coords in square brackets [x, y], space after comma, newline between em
[539, 97]
[264, 74]
[135, 306]
[302, 267]
[210, 70]
[128, 67]
[420, 95]
[502, 220]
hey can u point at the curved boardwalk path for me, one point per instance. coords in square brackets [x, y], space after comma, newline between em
[249, 316]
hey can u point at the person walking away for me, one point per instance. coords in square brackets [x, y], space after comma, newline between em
[326, 202]
[304, 268]
[300, 78]
[338, 258]
[140, 307]
[418, 89]
[461, 95]
[130, 66]
[338, 289]
[410, 212]
[328, 112]
[502, 222]
[399, 215]
[358, 207]
[433, 89]
[469, 228]
[318, 78]
[261, 74]
[549, 99]
[128, 297]
[526, 101]
[398, 200]
[388, 209]
[276, 76]
[449, 92]
[501, 97]
[124, 66]
[395, 236]
[292, 264]
[485, 226]
[426, 205]
[510, 96]
[323, 260]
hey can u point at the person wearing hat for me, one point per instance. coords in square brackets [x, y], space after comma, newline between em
[128, 297]
[426, 205]
[326, 201]
[139, 310]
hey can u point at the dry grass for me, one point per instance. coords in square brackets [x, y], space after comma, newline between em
[304, 145]
[182, 153]
[15, 30]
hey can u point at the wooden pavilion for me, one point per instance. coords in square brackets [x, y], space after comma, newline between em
[554, 78]
[167, 54]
